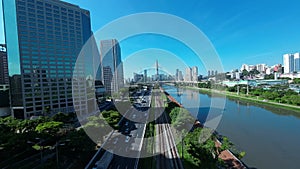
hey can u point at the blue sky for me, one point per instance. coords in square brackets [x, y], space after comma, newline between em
[252, 31]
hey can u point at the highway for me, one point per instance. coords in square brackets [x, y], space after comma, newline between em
[126, 143]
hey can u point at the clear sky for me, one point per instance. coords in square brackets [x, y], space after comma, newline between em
[242, 31]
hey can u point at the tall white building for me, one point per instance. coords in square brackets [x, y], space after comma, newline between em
[188, 74]
[245, 67]
[268, 70]
[297, 62]
[252, 67]
[288, 62]
[195, 73]
[261, 68]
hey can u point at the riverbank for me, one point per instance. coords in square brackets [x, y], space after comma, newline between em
[226, 155]
[246, 98]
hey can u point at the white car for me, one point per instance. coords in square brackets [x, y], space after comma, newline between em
[134, 115]
[127, 139]
[116, 140]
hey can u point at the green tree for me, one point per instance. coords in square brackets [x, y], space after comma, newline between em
[181, 119]
[295, 99]
[270, 95]
[62, 117]
[270, 76]
[200, 144]
[254, 72]
[296, 81]
[257, 92]
[245, 72]
[51, 127]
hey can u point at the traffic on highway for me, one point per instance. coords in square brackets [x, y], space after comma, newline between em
[123, 146]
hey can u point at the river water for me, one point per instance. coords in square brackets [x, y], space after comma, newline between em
[269, 136]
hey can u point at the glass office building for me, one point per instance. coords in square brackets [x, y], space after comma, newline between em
[44, 38]
[111, 62]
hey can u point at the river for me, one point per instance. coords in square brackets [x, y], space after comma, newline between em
[269, 136]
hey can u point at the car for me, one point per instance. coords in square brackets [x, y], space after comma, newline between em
[116, 140]
[134, 115]
[126, 124]
[127, 139]
[126, 130]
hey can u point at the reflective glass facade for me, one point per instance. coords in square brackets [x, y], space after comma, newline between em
[44, 38]
[111, 62]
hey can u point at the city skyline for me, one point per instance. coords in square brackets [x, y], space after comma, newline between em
[237, 27]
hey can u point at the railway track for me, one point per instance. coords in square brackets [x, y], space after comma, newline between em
[168, 157]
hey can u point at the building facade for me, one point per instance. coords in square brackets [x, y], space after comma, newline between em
[4, 79]
[261, 68]
[110, 58]
[195, 73]
[297, 62]
[188, 74]
[145, 76]
[44, 38]
[288, 62]
[244, 67]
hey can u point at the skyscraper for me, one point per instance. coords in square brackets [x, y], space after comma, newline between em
[145, 75]
[180, 76]
[177, 75]
[297, 62]
[288, 62]
[188, 74]
[110, 58]
[3, 65]
[195, 73]
[44, 38]
[261, 68]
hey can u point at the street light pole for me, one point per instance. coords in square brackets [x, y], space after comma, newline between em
[58, 143]
[56, 147]
[41, 148]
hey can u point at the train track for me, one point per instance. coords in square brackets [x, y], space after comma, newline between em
[168, 157]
